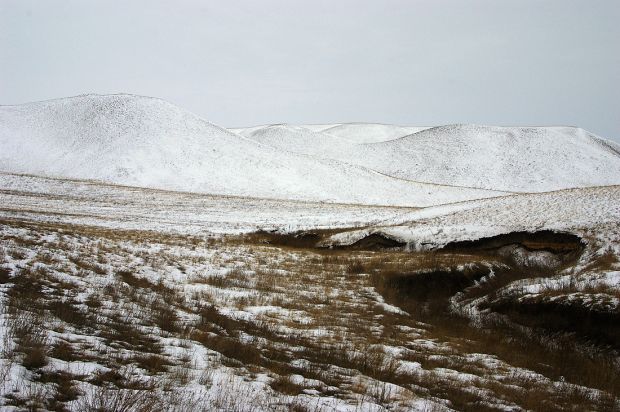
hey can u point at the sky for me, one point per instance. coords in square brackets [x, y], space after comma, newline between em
[248, 62]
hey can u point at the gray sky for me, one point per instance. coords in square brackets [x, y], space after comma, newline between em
[235, 63]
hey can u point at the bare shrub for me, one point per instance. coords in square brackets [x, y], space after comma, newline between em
[5, 275]
[31, 340]
[152, 363]
[165, 317]
[65, 310]
[64, 351]
[118, 400]
[287, 385]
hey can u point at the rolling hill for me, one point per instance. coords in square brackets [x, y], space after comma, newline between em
[147, 142]
[514, 159]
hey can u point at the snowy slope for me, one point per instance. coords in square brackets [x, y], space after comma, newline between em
[148, 142]
[593, 210]
[371, 132]
[517, 159]
[298, 139]
[351, 132]
[319, 127]
[528, 159]
[123, 207]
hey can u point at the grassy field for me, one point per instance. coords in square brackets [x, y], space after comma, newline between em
[125, 320]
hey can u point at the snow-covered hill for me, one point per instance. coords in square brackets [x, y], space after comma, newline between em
[518, 159]
[147, 142]
[371, 132]
[298, 139]
[527, 159]
[351, 132]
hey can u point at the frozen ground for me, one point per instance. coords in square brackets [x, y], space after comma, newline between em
[112, 206]
[577, 210]
[96, 318]
[91, 203]
[143, 296]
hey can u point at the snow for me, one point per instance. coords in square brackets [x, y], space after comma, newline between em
[147, 142]
[353, 132]
[91, 203]
[298, 139]
[564, 210]
[524, 159]
[511, 159]
[371, 132]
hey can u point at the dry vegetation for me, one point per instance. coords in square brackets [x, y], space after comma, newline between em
[96, 319]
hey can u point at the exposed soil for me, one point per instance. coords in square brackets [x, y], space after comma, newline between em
[435, 284]
[374, 241]
[591, 324]
[312, 239]
[544, 240]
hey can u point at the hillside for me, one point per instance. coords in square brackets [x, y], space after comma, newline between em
[298, 139]
[527, 159]
[147, 142]
[563, 210]
[516, 159]
[351, 132]
[370, 132]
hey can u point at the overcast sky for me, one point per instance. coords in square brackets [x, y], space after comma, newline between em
[240, 63]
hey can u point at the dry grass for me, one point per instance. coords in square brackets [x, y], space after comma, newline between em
[286, 385]
[276, 309]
